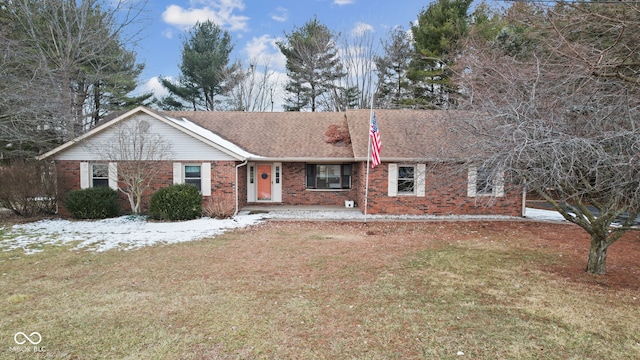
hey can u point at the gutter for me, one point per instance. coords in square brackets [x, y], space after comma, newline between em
[237, 196]
[301, 159]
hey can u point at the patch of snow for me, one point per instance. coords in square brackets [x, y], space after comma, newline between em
[545, 215]
[124, 233]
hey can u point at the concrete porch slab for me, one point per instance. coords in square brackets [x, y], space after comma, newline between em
[302, 208]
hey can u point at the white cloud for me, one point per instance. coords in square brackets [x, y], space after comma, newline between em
[168, 33]
[361, 28]
[264, 50]
[343, 2]
[221, 12]
[280, 14]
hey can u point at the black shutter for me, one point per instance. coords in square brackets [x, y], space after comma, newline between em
[346, 176]
[311, 176]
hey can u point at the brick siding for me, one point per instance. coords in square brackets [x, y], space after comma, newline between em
[445, 194]
[446, 191]
[222, 182]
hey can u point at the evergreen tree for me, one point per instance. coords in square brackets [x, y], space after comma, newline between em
[205, 69]
[435, 38]
[313, 67]
[65, 64]
[394, 87]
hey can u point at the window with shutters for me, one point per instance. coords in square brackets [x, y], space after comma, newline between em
[99, 175]
[193, 175]
[483, 181]
[406, 180]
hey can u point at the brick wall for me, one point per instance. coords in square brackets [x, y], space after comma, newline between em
[294, 191]
[446, 190]
[445, 194]
[222, 182]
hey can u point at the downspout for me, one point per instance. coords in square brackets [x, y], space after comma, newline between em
[237, 195]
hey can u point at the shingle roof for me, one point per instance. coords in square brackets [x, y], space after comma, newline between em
[406, 134]
[409, 134]
[275, 134]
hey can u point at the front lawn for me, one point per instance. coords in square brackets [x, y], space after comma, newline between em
[329, 290]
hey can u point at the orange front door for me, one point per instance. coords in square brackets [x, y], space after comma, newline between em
[264, 182]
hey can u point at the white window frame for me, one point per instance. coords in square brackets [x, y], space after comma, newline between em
[419, 174]
[95, 168]
[205, 175]
[86, 174]
[497, 185]
[407, 180]
[192, 179]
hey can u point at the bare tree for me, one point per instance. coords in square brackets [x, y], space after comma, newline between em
[136, 151]
[563, 117]
[358, 54]
[255, 89]
[28, 188]
[69, 61]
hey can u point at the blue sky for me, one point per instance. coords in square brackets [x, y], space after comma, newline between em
[255, 26]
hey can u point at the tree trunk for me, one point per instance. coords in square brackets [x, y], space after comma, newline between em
[597, 263]
[132, 203]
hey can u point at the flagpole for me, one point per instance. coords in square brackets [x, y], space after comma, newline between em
[366, 189]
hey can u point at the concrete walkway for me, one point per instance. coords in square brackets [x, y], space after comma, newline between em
[283, 212]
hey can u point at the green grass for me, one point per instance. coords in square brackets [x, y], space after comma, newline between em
[317, 291]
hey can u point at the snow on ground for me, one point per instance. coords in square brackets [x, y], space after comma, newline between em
[131, 232]
[124, 233]
[543, 215]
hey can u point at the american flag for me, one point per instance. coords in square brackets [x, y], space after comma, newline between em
[376, 145]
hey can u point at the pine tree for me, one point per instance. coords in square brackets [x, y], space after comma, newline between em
[205, 69]
[313, 67]
[435, 37]
[394, 87]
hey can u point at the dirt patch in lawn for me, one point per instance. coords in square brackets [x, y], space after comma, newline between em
[376, 242]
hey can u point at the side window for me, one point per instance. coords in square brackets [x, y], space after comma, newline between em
[484, 182]
[99, 175]
[193, 175]
[406, 179]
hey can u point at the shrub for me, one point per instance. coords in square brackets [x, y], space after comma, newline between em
[220, 207]
[93, 203]
[176, 202]
[28, 188]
